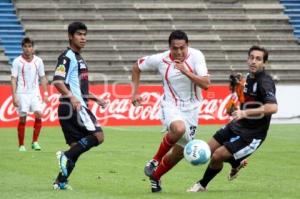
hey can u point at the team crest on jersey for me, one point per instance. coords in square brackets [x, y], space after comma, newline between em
[270, 94]
[82, 64]
[60, 71]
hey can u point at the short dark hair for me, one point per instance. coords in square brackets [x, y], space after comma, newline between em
[179, 35]
[258, 48]
[27, 40]
[74, 26]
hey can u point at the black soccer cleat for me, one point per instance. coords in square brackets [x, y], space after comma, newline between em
[155, 186]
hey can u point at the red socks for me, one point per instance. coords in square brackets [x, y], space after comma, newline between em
[36, 129]
[21, 133]
[164, 147]
[164, 166]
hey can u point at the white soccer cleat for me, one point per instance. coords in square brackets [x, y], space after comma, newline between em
[196, 188]
[22, 148]
[35, 146]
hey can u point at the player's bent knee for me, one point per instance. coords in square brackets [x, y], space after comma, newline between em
[38, 115]
[22, 120]
[178, 128]
[100, 137]
[216, 156]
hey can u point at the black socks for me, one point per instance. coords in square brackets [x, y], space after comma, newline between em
[82, 146]
[208, 176]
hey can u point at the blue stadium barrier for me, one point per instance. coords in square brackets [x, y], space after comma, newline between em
[11, 30]
[292, 10]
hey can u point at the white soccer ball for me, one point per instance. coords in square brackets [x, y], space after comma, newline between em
[197, 152]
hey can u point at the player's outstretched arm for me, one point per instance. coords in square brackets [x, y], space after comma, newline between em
[101, 102]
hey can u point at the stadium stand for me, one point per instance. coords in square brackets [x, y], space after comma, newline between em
[11, 30]
[292, 9]
[122, 31]
[11, 34]
[3, 63]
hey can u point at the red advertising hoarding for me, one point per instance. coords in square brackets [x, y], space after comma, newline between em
[120, 111]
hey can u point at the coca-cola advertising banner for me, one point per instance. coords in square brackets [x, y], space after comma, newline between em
[119, 110]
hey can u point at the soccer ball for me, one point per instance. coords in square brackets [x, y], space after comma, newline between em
[197, 152]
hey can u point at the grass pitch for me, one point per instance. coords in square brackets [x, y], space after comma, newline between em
[115, 169]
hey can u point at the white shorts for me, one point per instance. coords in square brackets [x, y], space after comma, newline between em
[171, 113]
[29, 103]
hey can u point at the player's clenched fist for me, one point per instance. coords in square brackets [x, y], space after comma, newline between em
[136, 100]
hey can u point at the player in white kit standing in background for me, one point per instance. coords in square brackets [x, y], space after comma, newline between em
[26, 71]
[184, 74]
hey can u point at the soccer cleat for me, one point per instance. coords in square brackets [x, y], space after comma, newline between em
[61, 186]
[155, 186]
[150, 167]
[196, 188]
[62, 162]
[22, 148]
[234, 171]
[35, 146]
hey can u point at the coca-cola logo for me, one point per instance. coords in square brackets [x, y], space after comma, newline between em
[214, 109]
[122, 109]
[119, 109]
[8, 112]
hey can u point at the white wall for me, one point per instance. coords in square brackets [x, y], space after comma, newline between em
[288, 99]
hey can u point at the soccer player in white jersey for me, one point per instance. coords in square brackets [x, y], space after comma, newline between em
[26, 71]
[184, 74]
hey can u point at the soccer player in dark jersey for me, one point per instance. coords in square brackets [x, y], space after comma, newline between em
[79, 125]
[248, 129]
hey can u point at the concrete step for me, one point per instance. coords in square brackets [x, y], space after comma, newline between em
[82, 12]
[195, 22]
[107, 51]
[140, 27]
[151, 1]
[10, 27]
[131, 47]
[154, 16]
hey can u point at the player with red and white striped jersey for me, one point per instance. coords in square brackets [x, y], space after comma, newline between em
[184, 74]
[27, 69]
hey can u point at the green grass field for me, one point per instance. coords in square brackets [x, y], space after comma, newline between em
[115, 169]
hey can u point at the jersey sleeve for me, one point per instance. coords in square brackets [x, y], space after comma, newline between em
[268, 91]
[41, 68]
[200, 65]
[149, 62]
[62, 68]
[14, 68]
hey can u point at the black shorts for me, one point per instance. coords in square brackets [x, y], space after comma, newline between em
[237, 146]
[76, 124]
